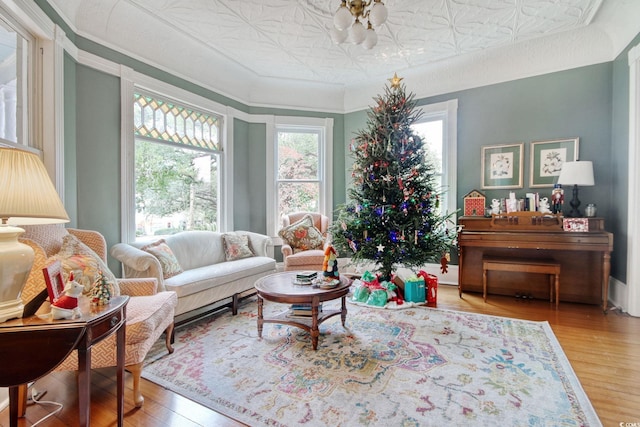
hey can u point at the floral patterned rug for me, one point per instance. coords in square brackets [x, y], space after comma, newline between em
[415, 367]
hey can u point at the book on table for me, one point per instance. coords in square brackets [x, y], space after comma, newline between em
[303, 310]
[306, 276]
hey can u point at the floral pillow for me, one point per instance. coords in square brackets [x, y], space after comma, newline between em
[85, 263]
[236, 246]
[302, 235]
[168, 261]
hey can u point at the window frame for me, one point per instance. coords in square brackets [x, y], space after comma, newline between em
[324, 126]
[446, 111]
[132, 82]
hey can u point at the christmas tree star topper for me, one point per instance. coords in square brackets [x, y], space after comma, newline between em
[395, 81]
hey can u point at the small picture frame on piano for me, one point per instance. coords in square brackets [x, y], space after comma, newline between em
[579, 225]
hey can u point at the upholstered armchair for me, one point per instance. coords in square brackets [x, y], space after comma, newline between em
[304, 239]
[149, 313]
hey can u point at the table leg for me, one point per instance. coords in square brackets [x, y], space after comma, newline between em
[343, 313]
[120, 343]
[84, 384]
[14, 395]
[315, 331]
[260, 318]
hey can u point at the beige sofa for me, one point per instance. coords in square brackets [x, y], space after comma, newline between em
[208, 280]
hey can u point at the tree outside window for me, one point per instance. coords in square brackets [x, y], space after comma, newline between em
[298, 170]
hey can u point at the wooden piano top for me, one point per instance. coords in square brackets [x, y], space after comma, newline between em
[546, 233]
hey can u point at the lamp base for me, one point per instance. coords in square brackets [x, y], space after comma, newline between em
[16, 260]
[575, 203]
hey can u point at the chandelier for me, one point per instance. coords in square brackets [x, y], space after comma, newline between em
[348, 22]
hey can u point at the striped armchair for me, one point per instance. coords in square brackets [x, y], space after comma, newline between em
[149, 313]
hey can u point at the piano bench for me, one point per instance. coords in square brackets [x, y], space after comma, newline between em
[550, 267]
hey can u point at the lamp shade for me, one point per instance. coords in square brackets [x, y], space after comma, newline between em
[576, 173]
[27, 195]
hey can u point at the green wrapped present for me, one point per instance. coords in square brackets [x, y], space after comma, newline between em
[367, 276]
[378, 298]
[361, 293]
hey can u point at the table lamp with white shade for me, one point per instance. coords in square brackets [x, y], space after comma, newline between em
[27, 197]
[576, 173]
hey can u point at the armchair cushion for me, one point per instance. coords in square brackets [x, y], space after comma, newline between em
[85, 264]
[302, 235]
[168, 261]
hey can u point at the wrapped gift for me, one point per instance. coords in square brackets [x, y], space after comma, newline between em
[378, 298]
[414, 289]
[361, 293]
[432, 287]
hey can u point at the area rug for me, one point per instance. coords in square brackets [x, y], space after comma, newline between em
[413, 367]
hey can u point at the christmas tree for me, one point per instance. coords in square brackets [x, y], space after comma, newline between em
[393, 217]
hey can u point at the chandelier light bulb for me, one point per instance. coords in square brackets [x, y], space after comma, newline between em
[371, 38]
[378, 14]
[338, 36]
[357, 33]
[343, 17]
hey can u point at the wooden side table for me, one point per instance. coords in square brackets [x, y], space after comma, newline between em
[34, 346]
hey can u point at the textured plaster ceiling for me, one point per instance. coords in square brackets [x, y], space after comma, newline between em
[260, 40]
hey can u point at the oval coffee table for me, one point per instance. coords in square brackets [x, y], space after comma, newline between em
[279, 287]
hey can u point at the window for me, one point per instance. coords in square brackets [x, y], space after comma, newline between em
[437, 127]
[177, 166]
[15, 81]
[300, 178]
[298, 173]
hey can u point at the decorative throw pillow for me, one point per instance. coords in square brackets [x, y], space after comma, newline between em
[85, 263]
[168, 261]
[236, 246]
[302, 235]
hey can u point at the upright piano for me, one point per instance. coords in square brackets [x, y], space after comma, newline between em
[585, 256]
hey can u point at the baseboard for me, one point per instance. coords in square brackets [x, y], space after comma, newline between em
[4, 398]
[618, 294]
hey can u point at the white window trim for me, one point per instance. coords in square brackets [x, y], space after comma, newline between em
[633, 230]
[448, 112]
[44, 131]
[326, 166]
[129, 81]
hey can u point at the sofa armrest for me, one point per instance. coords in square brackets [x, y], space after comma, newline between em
[138, 263]
[260, 243]
[138, 287]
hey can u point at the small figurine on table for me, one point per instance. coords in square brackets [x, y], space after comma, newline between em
[66, 306]
[330, 263]
[101, 291]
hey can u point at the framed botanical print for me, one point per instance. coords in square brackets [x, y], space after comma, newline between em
[547, 158]
[502, 166]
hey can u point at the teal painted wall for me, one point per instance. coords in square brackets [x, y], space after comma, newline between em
[573, 103]
[98, 153]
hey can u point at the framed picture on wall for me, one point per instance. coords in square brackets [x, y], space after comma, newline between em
[502, 166]
[547, 158]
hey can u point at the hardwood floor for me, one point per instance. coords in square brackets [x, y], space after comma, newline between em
[604, 351]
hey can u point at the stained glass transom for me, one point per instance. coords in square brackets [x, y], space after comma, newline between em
[166, 121]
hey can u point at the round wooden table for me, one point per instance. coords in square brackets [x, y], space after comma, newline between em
[279, 287]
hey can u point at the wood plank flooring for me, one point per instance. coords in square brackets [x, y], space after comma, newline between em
[604, 351]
